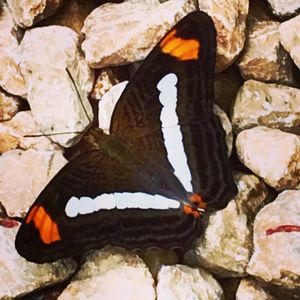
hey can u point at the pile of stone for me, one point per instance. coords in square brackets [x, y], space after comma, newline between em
[56, 62]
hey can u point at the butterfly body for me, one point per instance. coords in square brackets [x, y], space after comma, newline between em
[151, 180]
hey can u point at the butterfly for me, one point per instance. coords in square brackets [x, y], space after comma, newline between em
[162, 167]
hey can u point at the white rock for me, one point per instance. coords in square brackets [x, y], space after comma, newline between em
[225, 246]
[181, 282]
[124, 36]
[23, 175]
[58, 82]
[19, 277]
[9, 106]
[230, 21]
[250, 290]
[271, 154]
[109, 100]
[22, 132]
[276, 246]
[290, 39]
[11, 78]
[283, 8]
[271, 105]
[111, 274]
[27, 13]
[263, 57]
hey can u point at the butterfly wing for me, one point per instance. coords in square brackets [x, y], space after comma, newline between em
[102, 197]
[181, 131]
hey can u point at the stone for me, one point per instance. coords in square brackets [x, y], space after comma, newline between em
[109, 100]
[263, 57]
[28, 13]
[182, 282]
[249, 289]
[225, 246]
[226, 86]
[230, 21]
[11, 79]
[23, 175]
[289, 38]
[276, 242]
[111, 274]
[23, 133]
[104, 82]
[271, 105]
[124, 36]
[156, 258]
[9, 106]
[271, 154]
[20, 277]
[58, 83]
[72, 14]
[284, 8]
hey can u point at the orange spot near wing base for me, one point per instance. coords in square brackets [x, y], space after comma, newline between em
[47, 228]
[198, 200]
[181, 49]
[191, 211]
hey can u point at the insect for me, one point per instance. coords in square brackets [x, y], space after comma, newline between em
[160, 170]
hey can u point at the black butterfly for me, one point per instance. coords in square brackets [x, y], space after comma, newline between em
[162, 166]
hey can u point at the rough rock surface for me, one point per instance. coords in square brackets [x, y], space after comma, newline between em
[271, 154]
[23, 175]
[230, 21]
[18, 276]
[263, 57]
[72, 14]
[109, 100]
[124, 36]
[111, 274]
[180, 282]
[284, 8]
[27, 13]
[23, 133]
[271, 105]
[225, 246]
[104, 82]
[276, 242]
[9, 106]
[290, 39]
[11, 78]
[59, 82]
[250, 290]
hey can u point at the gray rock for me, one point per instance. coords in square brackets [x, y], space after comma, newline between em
[111, 274]
[249, 289]
[225, 246]
[58, 83]
[271, 154]
[180, 282]
[124, 36]
[22, 132]
[9, 106]
[290, 39]
[19, 277]
[19, 187]
[276, 242]
[11, 78]
[271, 105]
[284, 8]
[230, 21]
[263, 57]
[27, 13]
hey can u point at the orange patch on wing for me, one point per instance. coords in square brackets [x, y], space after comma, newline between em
[181, 49]
[191, 211]
[47, 228]
[198, 200]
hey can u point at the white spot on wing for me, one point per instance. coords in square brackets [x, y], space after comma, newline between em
[72, 207]
[171, 130]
